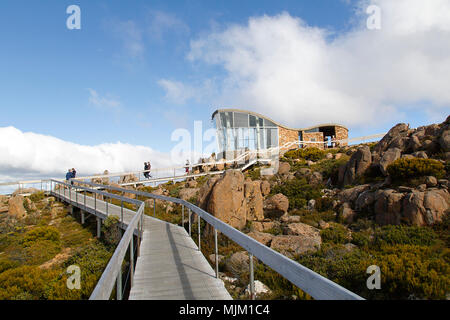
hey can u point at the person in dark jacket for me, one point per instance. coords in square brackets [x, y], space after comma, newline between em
[69, 174]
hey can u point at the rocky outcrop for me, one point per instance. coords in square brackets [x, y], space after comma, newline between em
[265, 188]
[254, 198]
[227, 201]
[261, 237]
[188, 193]
[426, 208]
[16, 208]
[291, 246]
[129, 178]
[276, 206]
[388, 207]
[359, 162]
[387, 158]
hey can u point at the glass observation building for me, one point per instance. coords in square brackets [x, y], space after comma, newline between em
[240, 130]
[237, 130]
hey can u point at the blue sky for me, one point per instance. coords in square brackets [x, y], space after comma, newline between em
[111, 81]
[48, 69]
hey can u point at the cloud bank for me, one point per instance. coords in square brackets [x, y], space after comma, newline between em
[302, 75]
[30, 155]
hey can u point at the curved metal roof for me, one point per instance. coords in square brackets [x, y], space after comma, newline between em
[277, 123]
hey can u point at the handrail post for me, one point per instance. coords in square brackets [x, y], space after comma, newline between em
[106, 200]
[216, 249]
[199, 234]
[252, 279]
[121, 213]
[182, 215]
[119, 284]
[131, 261]
[85, 200]
[154, 207]
[189, 222]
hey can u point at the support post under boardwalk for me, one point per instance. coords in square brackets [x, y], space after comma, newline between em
[99, 226]
[82, 217]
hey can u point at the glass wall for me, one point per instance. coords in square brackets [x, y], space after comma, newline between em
[237, 130]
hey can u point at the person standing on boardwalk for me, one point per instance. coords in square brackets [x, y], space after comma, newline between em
[69, 175]
[146, 174]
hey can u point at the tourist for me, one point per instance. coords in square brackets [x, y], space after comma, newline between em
[333, 141]
[74, 173]
[187, 167]
[69, 175]
[146, 175]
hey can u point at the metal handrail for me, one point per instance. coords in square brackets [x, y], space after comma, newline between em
[309, 281]
[113, 270]
[112, 273]
[237, 159]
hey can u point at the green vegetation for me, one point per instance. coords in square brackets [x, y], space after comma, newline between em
[35, 253]
[312, 154]
[336, 233]
[298, 191]
[404, 170]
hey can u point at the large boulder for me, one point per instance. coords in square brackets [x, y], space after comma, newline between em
[387, 158]
[265, 188]
[284, 168]
[304, 230]
[444, 141]
[261, 237]
[388, 207]
[238, 263]
[129, 178]
[426, 208]
[227, 201]
[291, 246]
[205, 191]
[397, 131]
[263, 226]
[188, 193]
[351, 194]
[254, 198]
[16, 208]
[276, 206]
[359, 162]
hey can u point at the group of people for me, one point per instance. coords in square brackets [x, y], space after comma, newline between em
[333, 142]
[147, 168]
[71, 174]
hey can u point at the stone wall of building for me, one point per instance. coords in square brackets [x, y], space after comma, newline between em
[313, 136]
[285, 136]
[341, 133]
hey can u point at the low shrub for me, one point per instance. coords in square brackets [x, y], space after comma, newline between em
[37, 196]
[412, 235]
[402, 170]
[111, 230]
[336, 233]
[41, 233]
[313, 154]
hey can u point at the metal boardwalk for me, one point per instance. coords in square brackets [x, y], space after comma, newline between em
[170, 266]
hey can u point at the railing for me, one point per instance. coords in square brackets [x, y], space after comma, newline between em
[113, 272]
[309, 281]
[240, 159]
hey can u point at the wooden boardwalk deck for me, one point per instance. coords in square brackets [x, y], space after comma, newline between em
[170, 266]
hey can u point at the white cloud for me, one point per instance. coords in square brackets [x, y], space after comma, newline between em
[161, 22]
[25, 154]
[103, 102]
[131, 36]
[281, 67]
